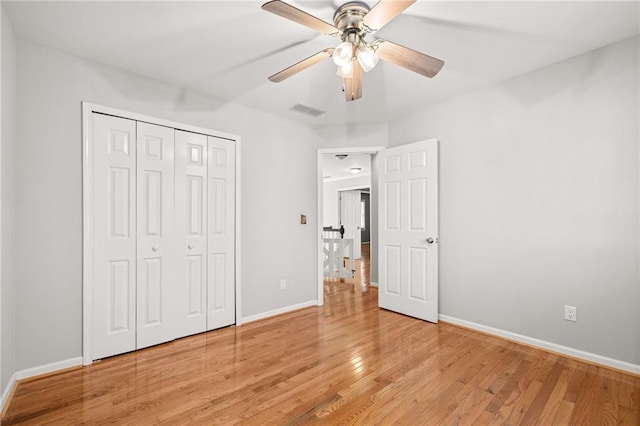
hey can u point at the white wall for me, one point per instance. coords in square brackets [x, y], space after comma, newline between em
[7, 202]
[539, 201]
[353, 135]
[331, 197]
[277, 185]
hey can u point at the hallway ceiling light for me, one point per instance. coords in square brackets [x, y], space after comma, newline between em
[355, 170]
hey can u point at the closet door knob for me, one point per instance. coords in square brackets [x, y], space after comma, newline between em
[155, 248]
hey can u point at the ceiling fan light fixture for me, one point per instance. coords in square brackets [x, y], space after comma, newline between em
[366, 57]
[352, 22]
[345, 70]
[343, 53]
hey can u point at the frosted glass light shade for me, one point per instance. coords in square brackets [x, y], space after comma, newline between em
[343, 53]
[366, 57]
[345, 70]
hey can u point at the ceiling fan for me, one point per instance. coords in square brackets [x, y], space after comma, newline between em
[352, 22]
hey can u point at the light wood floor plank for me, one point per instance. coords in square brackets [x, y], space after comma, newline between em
[347, 362]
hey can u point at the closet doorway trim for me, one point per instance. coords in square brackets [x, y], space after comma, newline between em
[87, 210]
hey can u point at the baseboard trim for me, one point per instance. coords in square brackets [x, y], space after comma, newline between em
[279, 311]
[7, 395]
[54, 367]
[372, 284]
[600, 360]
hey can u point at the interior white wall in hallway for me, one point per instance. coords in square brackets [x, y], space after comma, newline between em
[539, 201]
[331, 189]
[277, 185]
[7, 202]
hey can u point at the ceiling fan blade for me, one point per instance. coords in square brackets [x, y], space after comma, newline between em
[353, 84]
[408, 58]
[294, 14]
[301, 66]
[384, 11]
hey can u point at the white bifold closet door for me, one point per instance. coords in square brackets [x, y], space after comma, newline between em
[191, 232]
[163, 231]
[114, 235]
[156, 286]
[221, 275]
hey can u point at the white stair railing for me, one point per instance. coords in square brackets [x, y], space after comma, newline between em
[335, 251]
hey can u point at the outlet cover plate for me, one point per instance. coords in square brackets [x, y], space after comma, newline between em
[570, 313]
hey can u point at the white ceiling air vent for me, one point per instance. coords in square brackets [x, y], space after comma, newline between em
[304, 109]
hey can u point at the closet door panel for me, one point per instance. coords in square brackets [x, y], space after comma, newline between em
[114, 235]
[221, 200]
[191, 232]
[156, 263]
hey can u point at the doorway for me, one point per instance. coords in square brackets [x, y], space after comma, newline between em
[344, 176]
[404, 177]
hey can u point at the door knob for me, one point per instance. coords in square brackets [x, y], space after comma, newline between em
[155, 248]
[430, 240]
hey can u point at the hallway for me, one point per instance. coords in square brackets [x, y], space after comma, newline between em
[352, 292]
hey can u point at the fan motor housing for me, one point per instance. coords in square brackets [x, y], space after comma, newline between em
[348, 17]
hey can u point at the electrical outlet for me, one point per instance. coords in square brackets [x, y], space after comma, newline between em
[283, 284]
[570, 313]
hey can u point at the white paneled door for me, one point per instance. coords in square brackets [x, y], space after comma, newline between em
[114, 234]
[221, 269]
[350, 218]
[156, 289]
[191, 232]
[408, 229]
[160, 234]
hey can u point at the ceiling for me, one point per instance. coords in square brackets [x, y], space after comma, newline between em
[334, 168]
[227, 49]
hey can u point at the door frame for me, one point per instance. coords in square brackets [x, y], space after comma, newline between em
[320, 203]
[88, 109]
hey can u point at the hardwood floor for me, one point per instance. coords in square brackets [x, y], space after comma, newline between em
[347, 362]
